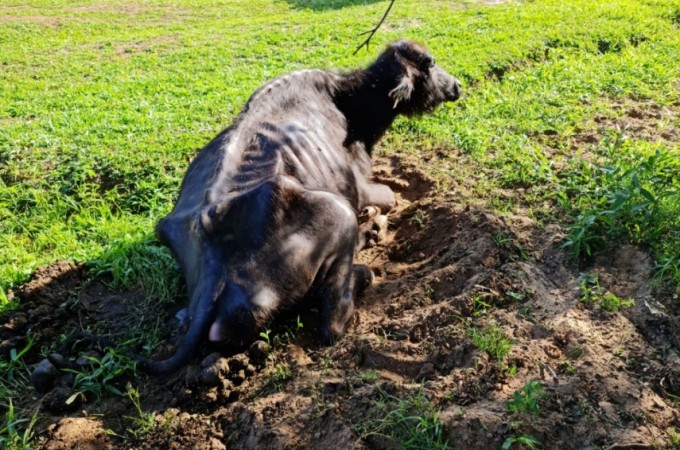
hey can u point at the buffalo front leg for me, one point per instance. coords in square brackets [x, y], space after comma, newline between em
[376, 200]
[337, 294]
[372, 228]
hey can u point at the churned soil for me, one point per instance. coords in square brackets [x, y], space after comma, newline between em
[611, 379]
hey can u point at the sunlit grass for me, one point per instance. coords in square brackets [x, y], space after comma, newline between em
[102, 104]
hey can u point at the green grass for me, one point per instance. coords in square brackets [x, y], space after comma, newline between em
[491, 340]
[18, 426]
[102, 106]
[525, 399]
[410, 423]
[629, 190]
[101, 376]
[591, 291]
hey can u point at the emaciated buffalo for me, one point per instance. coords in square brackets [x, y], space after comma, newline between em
[267, 214]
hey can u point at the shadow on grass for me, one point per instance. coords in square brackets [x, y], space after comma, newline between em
[323, 5]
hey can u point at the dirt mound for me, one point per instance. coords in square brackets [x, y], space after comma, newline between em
[44, 306]
[81, 432]
[446, 274]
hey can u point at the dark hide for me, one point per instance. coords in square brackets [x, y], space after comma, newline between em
[267, 213]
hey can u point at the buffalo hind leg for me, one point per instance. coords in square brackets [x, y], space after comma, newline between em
[337, 281]
[378, 195]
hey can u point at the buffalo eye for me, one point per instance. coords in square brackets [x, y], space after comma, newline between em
[426, 63]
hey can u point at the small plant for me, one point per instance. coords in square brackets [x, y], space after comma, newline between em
[589, 286]
[492, 340]
[517, 296]
[626, 192]
[507, 242]
[567, 367]
[11, 438]
[479, 306]
[526, 312]
[429, 291]
[17, 430]
[15, 361]
[283, 337]
[143, 422]
[369, 376]
[282, 373]
[101, 378]
[419, 218]
[525, 439]
[525, 400]
[611, 302]
[327, 364]
[410, 423]
[146, 263]
[265, 335]
[675, 439]
[591, 291]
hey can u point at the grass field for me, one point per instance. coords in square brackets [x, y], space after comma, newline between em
[103, 104]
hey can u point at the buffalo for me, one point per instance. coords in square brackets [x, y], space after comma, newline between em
[268, 214]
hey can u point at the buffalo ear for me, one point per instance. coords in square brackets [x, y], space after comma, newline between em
[404, 89]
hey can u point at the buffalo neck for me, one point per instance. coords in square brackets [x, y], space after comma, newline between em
[363, 98]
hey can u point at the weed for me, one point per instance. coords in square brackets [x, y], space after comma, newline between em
[567, 367]
[8, 369]
[525, 439]
[525, 400]
[284, 335]
[282, 373]
[410, 423]
[11, 438]
[369, 376]
[508, 243]
[492, 340]
[667, 267]
[102, 377]
[526, 312]
[265, 335]
[143, 422]
[517, 296]
[625, 193]
[327, 364]
[419, 218]
[479, 306]
[17, 430]
[611, 302]
[674, 439]
[429, 291]
[591, 291]
[145, 264]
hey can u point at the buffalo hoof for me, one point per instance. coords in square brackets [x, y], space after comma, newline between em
[380, 227]
[372, 228]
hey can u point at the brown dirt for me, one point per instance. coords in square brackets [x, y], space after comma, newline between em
[610, 377]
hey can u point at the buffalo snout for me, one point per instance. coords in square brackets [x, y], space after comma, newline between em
[447, 84]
